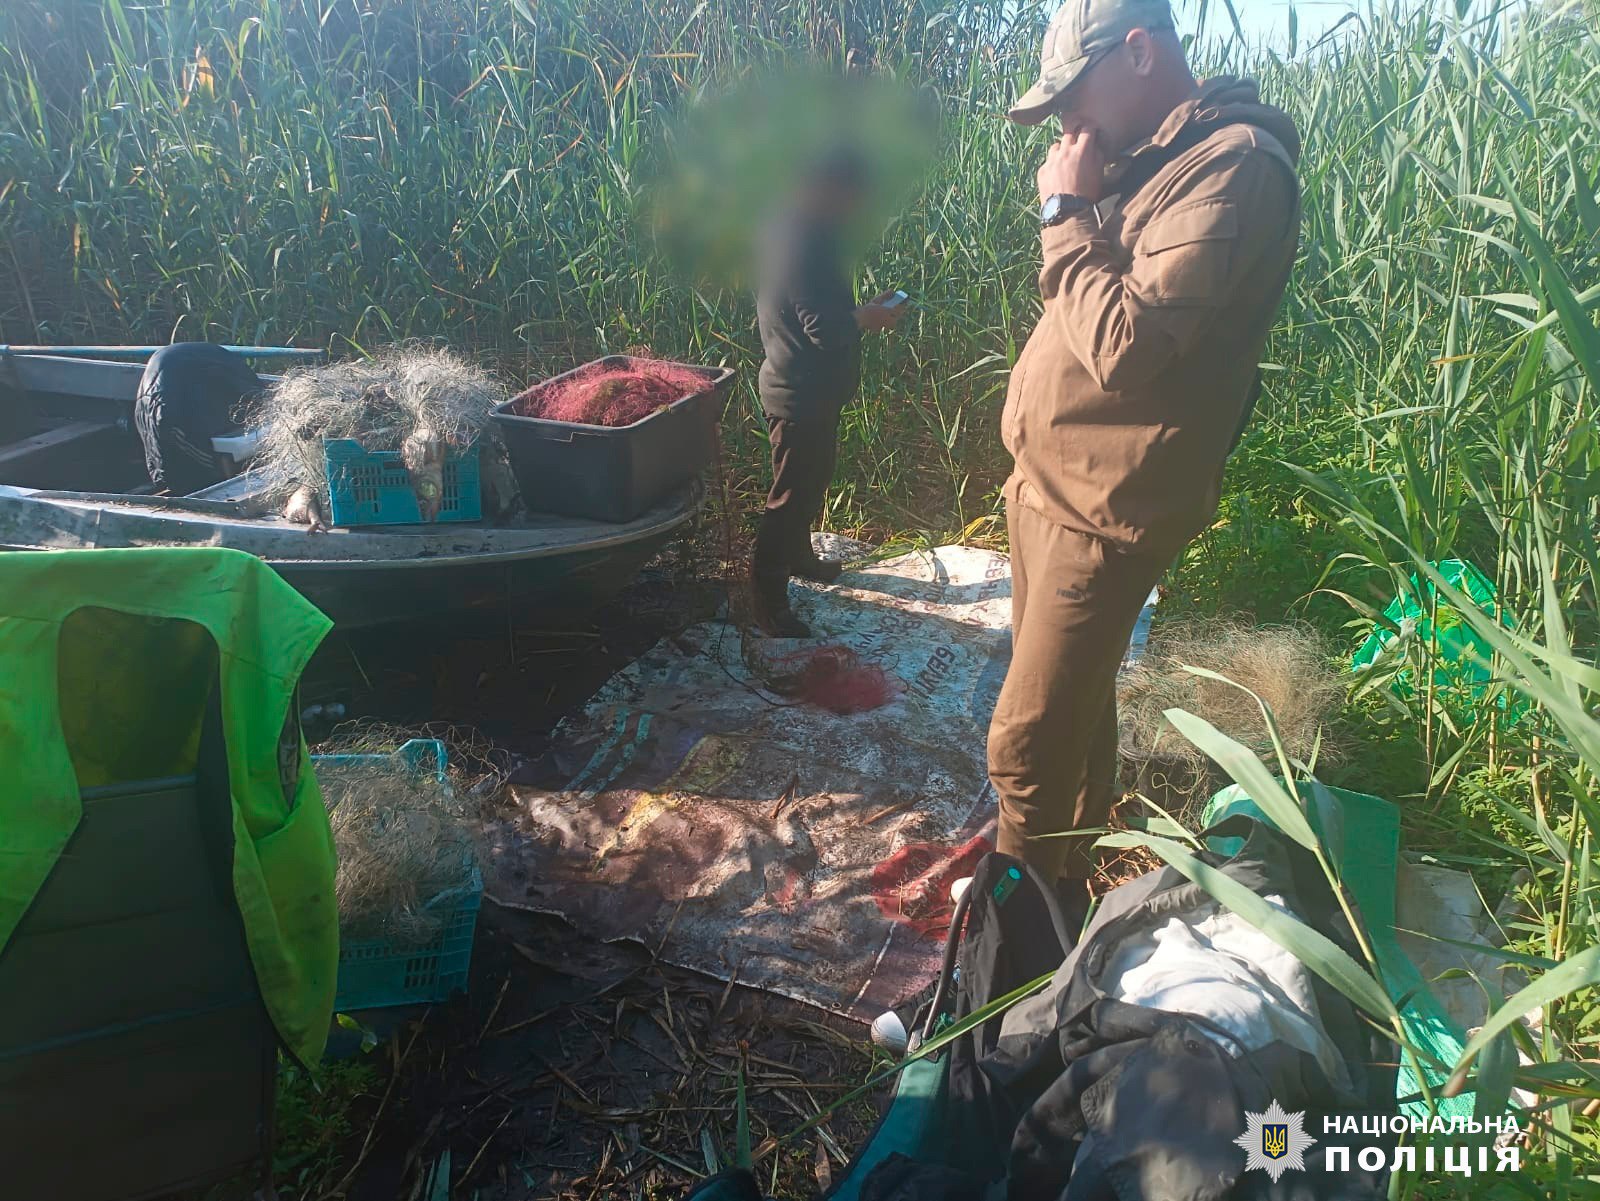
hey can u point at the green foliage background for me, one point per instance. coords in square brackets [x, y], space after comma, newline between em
[343, 173]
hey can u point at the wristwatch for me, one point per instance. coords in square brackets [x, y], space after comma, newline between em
[1059, 207]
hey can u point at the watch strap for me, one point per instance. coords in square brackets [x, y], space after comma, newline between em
[1058, 207]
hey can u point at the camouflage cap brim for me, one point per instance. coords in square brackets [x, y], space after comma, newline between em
[1039, 101]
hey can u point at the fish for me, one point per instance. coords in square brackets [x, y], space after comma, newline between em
[305, 509]
[423, 456]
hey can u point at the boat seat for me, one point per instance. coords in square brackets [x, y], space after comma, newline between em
[136, 1055]
[238, 447]
[246, 488]
[37, 462]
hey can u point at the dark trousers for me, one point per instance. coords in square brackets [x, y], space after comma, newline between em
[804, 451]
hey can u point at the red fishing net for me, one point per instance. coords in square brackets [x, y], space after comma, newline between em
[835, 678]
[606, 394]
[913, 884]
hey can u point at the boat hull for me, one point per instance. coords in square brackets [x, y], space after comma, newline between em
[574, 581]
[372, 576]
[361, 576]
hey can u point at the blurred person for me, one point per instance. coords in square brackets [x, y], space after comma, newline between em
[811, 330]
[1170, 215]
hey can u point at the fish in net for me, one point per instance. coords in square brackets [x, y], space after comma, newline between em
[414, 399]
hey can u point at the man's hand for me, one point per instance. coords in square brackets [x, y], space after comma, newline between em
[873, 317]
[1075, 165]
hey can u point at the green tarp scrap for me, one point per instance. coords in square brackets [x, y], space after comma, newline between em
[108, 658]
[1362, 837]
[912, 1125]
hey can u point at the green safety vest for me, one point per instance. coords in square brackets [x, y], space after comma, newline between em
[93, 691]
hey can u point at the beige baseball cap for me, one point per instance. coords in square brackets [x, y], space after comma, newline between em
[1078, 35]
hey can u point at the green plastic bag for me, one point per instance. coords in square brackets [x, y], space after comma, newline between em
[1461, 655]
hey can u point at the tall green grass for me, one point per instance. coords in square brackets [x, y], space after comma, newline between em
[343, 174]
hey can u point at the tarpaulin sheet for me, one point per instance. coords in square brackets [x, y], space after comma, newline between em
[781, 844]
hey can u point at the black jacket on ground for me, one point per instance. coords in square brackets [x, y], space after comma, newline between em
[1077, 1096]
[808, 327]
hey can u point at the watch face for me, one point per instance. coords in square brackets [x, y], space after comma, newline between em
[1051, 209]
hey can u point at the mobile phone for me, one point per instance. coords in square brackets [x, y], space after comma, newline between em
[895, 301]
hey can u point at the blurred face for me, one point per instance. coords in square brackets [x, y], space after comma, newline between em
[835, 200]
[1113, 96]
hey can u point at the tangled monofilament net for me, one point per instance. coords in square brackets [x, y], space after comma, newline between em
[610, 395]
[401, 840]
[380, 402]
[1288, 667]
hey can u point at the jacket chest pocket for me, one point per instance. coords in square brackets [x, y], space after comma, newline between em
[1011, 414]
[1182, 255]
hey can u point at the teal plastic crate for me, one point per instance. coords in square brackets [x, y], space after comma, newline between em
[420, 756]
[377, 973]
[373, 487]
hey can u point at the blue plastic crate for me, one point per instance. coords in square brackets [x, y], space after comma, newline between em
[375, 973]
[419, 756]
[378, 972]
[372, 487]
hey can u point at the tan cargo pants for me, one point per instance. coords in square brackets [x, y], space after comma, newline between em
[1053, 741]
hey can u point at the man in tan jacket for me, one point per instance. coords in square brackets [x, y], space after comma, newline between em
[1170, 214]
